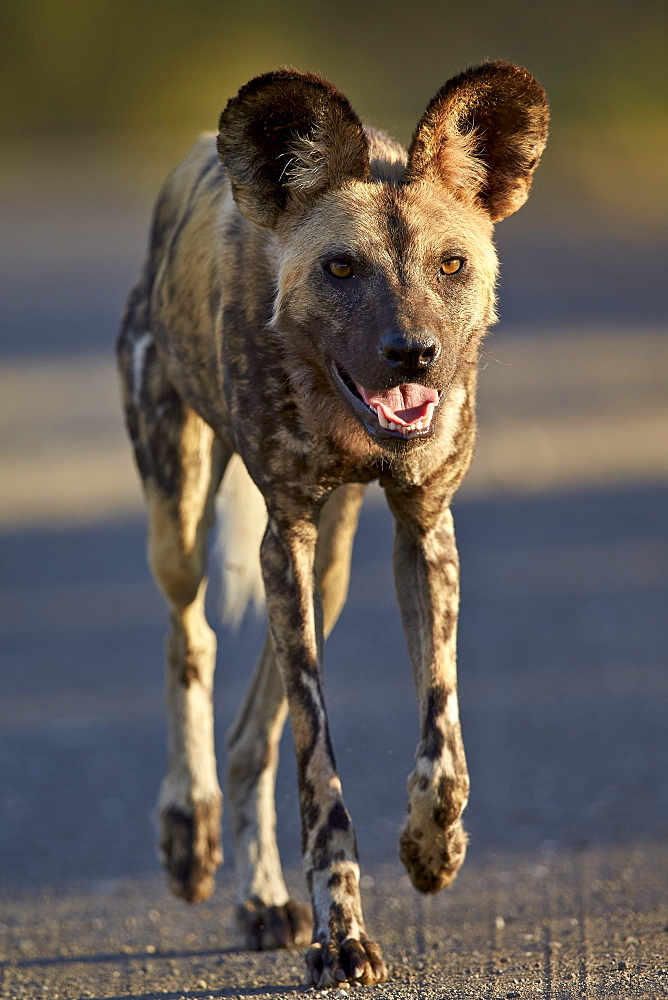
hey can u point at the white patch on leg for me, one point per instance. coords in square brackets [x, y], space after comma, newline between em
[324, 896]
[242, 519]
[452, 709]
[433, 771]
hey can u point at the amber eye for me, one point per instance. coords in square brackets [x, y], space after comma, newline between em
[451, 266]
[339, 269]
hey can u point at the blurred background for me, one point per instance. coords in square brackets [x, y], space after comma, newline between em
[563, 522]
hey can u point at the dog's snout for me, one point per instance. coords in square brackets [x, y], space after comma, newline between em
[410, 353]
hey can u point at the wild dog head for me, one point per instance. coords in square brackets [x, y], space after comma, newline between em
[385, 264]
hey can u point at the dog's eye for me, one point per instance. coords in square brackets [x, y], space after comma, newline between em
[340, 269]
[451, 266]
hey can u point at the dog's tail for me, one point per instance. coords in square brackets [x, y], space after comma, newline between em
[242, 519]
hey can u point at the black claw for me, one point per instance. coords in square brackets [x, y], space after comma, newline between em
[353, 959]
[314, 963]
[376, 962]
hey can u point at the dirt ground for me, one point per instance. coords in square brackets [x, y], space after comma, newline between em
[562, 924]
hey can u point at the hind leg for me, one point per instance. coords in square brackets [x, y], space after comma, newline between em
[190, 802]
[181, 463]
[267, 917]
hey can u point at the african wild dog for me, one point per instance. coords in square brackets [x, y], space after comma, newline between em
[316, 307]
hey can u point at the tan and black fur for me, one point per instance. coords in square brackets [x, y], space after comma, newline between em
[299, 271]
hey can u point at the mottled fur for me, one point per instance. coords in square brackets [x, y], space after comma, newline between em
[239, 339]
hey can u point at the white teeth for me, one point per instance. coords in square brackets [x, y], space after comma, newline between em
[419, 425]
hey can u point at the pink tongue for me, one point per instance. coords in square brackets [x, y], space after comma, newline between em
[404, 404]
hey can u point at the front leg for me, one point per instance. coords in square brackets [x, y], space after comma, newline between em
[340, 951]
[426, 566]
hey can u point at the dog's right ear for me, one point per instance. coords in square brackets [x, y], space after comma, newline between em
[286, 137]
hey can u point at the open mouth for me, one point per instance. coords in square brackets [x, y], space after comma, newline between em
[406, 411]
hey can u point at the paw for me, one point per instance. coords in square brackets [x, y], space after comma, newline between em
[190, 848]
[353, 961]
[431, 855]
[266, 927]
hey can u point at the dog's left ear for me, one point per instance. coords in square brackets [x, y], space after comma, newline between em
[482, 137]
[286, 137]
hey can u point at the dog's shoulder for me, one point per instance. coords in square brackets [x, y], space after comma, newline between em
[193, 201]
[200, 164]
[196, 182]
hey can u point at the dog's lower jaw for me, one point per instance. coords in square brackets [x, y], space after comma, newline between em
[385, 433]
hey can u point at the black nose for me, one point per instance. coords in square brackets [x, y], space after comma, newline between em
[409, 353]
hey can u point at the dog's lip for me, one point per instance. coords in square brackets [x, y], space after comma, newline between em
[368, 417]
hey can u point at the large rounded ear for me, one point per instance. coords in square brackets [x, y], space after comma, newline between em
[482, 137]
[288, 135]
